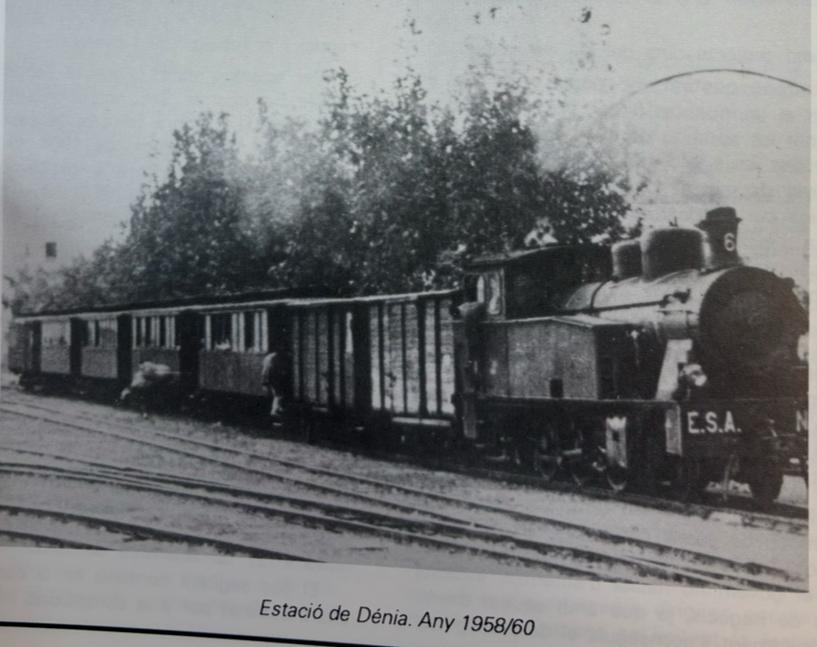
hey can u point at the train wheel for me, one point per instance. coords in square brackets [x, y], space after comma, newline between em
[618, 478]
[309, 429]
[765, 481]
[585, 461]
[582, 471]
[546, 455]
[690, 480]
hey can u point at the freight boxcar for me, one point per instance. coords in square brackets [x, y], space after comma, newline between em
[411, 358]
[327, 357]
[383, 363]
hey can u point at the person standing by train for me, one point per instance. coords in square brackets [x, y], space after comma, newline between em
[273, 376]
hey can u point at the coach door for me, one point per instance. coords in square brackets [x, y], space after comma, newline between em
[34, 330]
[124, 357]
[278, 338]
[78, 335]
[189, 337]
[362, 358]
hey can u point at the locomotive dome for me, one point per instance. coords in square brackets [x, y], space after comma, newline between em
[670, 249]
[626, 256]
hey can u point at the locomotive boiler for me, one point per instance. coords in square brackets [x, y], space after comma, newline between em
[669, 360]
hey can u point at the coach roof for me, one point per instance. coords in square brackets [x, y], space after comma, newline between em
[178, 303]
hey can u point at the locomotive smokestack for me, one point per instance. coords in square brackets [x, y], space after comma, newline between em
[721, 229]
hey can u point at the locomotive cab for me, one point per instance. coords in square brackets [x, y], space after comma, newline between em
[516, 347]
[534, 282]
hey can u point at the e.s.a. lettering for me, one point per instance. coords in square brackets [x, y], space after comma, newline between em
[712, 422]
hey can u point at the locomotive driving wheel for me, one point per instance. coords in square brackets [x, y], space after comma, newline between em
[547, 455]
[765, 480]
[618, 477]
[691, 479]
[585, 458]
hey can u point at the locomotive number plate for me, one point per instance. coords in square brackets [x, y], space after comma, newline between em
[801, 421]
[715, 427]
[708, 421]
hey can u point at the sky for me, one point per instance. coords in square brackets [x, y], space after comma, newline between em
[93, 90]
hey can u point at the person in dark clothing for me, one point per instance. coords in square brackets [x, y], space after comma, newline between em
[472, 315]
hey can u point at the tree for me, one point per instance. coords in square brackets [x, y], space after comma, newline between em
[187, 235]
[388, 193]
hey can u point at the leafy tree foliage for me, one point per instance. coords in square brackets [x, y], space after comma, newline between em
[410, 190]
[388, 193]
[186, 234]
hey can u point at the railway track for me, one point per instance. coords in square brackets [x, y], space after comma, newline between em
[34, 539]
[62, 522]
[491, 543]
[785, 517]
[411, 524]
[413, 517]
[366, 523]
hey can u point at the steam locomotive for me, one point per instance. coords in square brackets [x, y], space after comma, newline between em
[660, 360]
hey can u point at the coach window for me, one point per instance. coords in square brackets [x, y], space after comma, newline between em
[91, 335]
[155, 332]
[55, 333]
[248, 322]
[221, 331]
[106, 333]
[254, 329]
[350, 339]
[263, 332]
[171, 336]
[489, 292]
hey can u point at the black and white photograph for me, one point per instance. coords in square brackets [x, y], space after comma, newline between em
[502, 288]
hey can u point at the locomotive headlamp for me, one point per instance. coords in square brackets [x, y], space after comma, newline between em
[694, 376]
[697, 376]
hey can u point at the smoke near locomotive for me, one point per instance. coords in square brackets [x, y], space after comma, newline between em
[659, 360]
